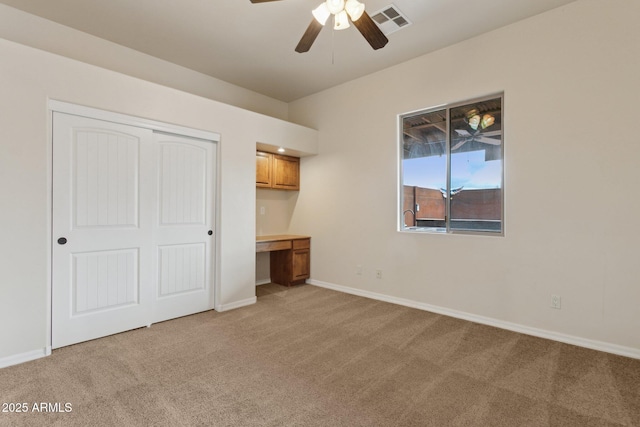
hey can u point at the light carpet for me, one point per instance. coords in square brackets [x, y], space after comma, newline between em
[309, 356]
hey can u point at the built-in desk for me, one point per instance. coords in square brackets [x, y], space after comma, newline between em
[290, 257]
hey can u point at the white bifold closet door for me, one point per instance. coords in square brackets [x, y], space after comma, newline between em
[133, 227]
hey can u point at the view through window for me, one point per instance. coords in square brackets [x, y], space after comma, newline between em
[452, 168]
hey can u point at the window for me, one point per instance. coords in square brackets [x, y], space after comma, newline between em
[451, 168]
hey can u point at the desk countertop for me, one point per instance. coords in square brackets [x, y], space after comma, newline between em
[279, 237]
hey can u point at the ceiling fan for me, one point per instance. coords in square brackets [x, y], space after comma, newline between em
[343, 12]
[465, 136]
[477, 124]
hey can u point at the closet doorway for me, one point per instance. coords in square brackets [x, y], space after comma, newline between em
[133, 226]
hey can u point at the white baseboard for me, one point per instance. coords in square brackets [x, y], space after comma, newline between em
[262, 282]
[541, 333]
[236, 304]
[16, 359]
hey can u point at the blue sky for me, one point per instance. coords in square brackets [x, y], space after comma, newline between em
[468, 169]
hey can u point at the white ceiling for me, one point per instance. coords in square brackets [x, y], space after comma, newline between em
[252, 45]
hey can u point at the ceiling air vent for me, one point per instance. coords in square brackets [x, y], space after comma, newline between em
[390, 19]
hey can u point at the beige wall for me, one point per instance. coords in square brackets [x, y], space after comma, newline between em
[30, 30]
[570, 79]
[279, 206]
[28, 79]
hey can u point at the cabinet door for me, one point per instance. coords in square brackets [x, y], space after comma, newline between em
[286, 172]
[263, 169]
[301, 261]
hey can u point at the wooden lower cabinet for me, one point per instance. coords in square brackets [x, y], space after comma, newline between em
[290, 258]
[291, 267]
[300, 262]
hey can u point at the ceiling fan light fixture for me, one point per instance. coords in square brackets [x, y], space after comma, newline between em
[474, 121]
[472, 112]
[344, 12]
[335, 6]
[473, 118]
[487, 120]
[355, 9]
[321, 13]
[341, 21]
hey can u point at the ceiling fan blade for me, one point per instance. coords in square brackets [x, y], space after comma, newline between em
[370, 31]
[462, 132]
[309, 36]
[492, 133]
[262, 1]
[490, 141]
[459, 144]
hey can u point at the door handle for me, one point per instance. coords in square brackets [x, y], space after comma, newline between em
[210, 232]
[62, 240]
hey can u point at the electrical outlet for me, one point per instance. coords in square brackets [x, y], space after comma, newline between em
[262, 210]
[378, 274]
[556, 301]
[359, 270]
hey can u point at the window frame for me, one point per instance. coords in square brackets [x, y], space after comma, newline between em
[447, 229]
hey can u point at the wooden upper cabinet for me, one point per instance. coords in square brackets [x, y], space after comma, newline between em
[277, 171]
[263, 169]
[286, 172]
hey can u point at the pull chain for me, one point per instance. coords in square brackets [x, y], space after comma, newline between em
[333, 45]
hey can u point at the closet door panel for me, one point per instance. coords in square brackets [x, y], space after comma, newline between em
[184, 229]
[102, 260]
